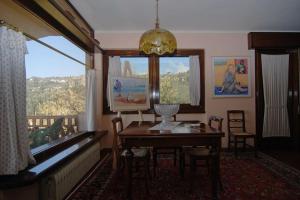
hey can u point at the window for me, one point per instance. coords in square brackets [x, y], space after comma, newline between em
[174, 80]
[168, 76]
[55, 88]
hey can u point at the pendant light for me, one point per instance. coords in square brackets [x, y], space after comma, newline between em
[157, 41]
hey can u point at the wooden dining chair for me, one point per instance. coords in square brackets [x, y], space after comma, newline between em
[164, 150]
[141, 156]
[237, 133]
[203, 152]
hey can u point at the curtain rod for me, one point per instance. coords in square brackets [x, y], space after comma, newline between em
[10, 26]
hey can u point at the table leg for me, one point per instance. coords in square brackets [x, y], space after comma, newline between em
[129, 159]
[215, 180]
[215, 170]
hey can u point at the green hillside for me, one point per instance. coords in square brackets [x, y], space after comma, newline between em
[55, 95]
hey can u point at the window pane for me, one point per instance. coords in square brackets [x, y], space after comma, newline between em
[174, 80]
[64, 45]
[55, 88]
[135, 67]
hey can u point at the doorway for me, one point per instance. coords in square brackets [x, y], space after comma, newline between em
[289, 141]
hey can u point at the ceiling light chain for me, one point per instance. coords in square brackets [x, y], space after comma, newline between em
[157, 19]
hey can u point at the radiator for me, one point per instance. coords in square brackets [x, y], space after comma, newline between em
[58, 184]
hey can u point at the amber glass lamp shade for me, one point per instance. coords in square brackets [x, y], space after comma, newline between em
[158, 41]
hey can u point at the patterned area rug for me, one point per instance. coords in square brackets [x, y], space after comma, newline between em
[243, 178]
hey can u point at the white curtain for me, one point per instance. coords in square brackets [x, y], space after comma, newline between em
[275, 70]
[14, 143]
[91, 100]
[194, 81]
[114, 69]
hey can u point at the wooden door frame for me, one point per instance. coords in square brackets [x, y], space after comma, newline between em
[277, 43]
[280, 142]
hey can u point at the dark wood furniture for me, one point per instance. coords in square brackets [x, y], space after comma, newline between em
[164, 150]
[204, 152]
[139, 135]
[140, 155]
[237, 130]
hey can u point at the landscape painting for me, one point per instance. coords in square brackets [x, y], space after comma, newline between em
[129, 94]
[231, 77]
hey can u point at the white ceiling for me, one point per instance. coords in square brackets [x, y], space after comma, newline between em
[192, 15]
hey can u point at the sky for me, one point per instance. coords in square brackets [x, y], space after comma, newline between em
[167, 64]
[44, 62]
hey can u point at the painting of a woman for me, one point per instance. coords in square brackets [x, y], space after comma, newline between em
[231, 76]
[230, 85]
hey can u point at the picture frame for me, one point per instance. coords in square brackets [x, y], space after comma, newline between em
[231, 76]
[129, 94]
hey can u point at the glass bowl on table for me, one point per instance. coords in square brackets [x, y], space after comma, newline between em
[166, 111]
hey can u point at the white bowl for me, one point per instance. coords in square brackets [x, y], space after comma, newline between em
[166, 111]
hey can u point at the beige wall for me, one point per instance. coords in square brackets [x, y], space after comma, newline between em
[214, 44]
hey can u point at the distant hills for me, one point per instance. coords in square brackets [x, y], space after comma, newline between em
[55, 95]
[66, 95]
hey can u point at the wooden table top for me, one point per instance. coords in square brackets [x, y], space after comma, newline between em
[184, 129]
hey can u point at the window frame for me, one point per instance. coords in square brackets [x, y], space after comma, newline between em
[154, 76]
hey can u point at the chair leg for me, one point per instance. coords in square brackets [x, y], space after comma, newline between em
[228, 147]
[154, 162]
[121, 167]
[220, 182]
[175, 157]
[244, 144]
[137, 166]
[208, 166]
[192, 172]
[181, 163]
[147, 174]
[235, 147]
[255, 147]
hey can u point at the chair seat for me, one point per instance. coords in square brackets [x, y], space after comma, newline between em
[199, 152]
[137, 152]
[243, 134]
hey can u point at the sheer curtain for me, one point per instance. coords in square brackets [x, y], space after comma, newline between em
[275, 70]
[114, 69]
[91, 100]
[194, 80]
[14, 143]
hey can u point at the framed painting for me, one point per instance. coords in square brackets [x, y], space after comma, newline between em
[128, 94]
[231, 77]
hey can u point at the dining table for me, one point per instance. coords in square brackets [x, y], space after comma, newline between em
[186, 133]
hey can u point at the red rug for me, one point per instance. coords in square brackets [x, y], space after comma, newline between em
[243, 179]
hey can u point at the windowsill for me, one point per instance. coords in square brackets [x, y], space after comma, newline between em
[45, 151]
[63, 152]
[52, 144]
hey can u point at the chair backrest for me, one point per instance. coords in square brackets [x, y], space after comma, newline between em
[117, 128]
[236, 121]
[156, 116]
[215, 122]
